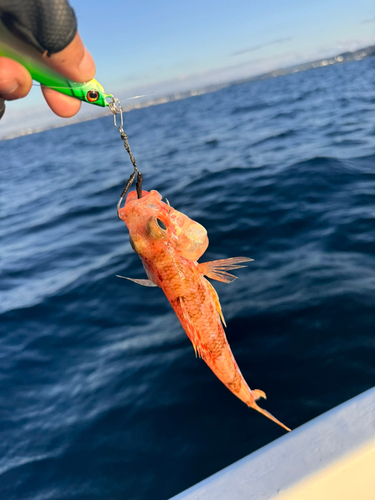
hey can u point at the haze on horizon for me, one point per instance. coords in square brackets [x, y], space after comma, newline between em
[167, 46]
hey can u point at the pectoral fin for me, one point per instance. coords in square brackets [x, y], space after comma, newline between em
[139, 282]
[217, 301]
[217, 269]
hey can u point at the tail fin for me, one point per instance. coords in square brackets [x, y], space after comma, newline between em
[260, 394]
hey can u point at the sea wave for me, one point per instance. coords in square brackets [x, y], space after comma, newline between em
[100, 386]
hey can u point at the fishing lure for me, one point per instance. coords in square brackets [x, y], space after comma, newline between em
[14, 48]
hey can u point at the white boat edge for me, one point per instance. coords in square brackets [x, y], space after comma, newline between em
[332, 457]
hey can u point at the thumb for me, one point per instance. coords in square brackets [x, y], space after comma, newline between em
[75, 61]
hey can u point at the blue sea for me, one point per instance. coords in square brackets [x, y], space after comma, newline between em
[101, 396]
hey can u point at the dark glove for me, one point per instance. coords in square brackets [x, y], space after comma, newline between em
[47, 25]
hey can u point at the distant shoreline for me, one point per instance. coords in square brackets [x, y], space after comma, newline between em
[344, 57]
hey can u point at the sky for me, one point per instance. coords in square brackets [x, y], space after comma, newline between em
[173, 45]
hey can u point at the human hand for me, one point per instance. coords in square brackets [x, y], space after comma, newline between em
[73, 61]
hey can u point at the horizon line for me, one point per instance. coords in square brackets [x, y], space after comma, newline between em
[344, 57]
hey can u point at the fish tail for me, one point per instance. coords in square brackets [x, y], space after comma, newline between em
[266, 413]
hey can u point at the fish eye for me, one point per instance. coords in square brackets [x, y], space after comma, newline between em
[161, 224]
[92, 95]
[156, 228]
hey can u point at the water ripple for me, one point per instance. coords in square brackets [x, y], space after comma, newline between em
[99, 384]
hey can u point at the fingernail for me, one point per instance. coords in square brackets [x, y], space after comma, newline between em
[8, 86]
[87, 66]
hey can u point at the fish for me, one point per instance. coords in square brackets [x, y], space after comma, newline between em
[169, 244]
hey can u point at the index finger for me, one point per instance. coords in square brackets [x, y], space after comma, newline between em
[75, 61]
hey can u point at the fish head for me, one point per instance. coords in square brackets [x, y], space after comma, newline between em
[154, 224]
[147, 219]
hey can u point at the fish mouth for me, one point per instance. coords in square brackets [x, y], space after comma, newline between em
[150, 203]
[133, 197]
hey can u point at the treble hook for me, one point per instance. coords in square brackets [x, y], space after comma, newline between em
[138, 186]
[116, 108]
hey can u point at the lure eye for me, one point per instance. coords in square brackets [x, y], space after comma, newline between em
[161, 224]
[92, 95]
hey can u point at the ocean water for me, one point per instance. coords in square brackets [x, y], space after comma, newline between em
[101, 396]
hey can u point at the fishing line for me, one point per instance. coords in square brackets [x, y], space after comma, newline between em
[78, 86]
[115, 108]
[137, 96]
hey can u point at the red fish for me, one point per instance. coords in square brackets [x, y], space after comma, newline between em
[169, 245]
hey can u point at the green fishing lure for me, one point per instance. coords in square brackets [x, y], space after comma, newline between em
[14, 48]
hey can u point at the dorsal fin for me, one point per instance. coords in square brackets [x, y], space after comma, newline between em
[217, 269]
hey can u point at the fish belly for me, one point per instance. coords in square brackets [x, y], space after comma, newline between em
[199, 318]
